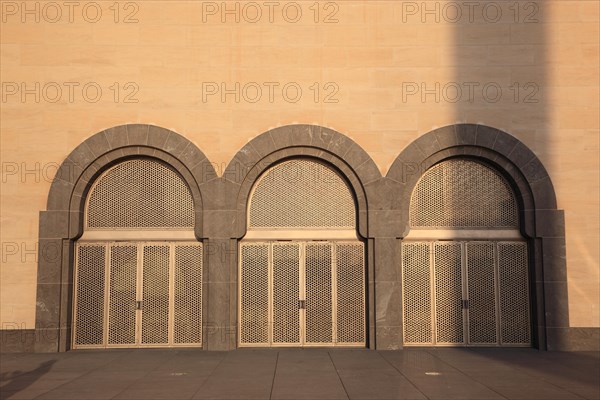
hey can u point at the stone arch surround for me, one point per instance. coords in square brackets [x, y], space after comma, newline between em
[62, 222]
[541, 223]
[228, 214]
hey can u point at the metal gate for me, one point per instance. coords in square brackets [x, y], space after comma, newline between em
[130, 294]
[302, 294]
[472, 293]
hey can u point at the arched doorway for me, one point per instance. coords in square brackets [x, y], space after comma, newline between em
[465, 268]
[301, 263]
[138, 267]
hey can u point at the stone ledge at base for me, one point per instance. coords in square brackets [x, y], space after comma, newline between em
[559, 339]
[17, 340]
[573, 339]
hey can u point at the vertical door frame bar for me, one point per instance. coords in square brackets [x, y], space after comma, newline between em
[140, 291]
[75, 295]
[302, 293]
[465, 290]
[171, 316]
[333, 248]
[497, 293]
[270, 294]
[432, 288]
[107, 282]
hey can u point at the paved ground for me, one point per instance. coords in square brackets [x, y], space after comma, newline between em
[302, 374]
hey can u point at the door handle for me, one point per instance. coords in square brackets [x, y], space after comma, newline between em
[139, 305]
[301, 304]
[465, 304]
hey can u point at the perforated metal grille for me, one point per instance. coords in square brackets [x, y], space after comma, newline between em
[350, 293]
[316, 292]
[462, 193]
[416, 272]
[286, 292]
[254, 308]
[448, 293]
[122, 295]
[140, 193]
[155, 317]
[301, 194]
[168, 274]
[319, 322]
[89, 313]
[481, 292]
[514, 293]
[188, 294]
[491, 276]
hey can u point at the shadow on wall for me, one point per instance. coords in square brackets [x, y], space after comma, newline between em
[500, 52]
[13, 382]
[500, 61]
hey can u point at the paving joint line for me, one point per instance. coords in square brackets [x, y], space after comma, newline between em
[274, 374]
[209, 375]
[543, 379]
[525, 371]
[84, 374]
[338, 374]
[405, 377]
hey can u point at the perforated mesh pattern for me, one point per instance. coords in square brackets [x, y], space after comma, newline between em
[448, 293]
[155, 317]
[416, 272]
[350, 293]
[301, 194]
[492, 275]
[514, 293]
[89, 314]
[327, 277]
[482, 293]
[122, 294]
[167, 304]
[188, 294]
[286, 292]
[254, 312]
[319, 322]
[462, 193]
[140, 193]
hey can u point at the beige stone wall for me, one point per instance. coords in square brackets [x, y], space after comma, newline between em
[370, 60]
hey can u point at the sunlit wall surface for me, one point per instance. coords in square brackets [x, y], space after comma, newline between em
[220, 73]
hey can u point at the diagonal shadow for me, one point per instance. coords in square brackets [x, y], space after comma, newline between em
[19, 380]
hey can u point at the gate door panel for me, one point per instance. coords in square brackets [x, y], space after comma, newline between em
[448, 293]
[122, 315]
[187, 324]
[254, 293]
[514, 293]
[89, 301]
[138, 295]
[155, 295]
[319, 300]
[286, 292]
[416, 290]
[466, 293]
[481, 293]
[350, 279]
[302, 294]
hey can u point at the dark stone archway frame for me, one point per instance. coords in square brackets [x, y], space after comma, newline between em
[62, 223]
[221, 204]
[229, 223]
[541, 223]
